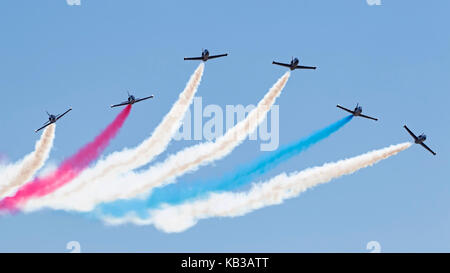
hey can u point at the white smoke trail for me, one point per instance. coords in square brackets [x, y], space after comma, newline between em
[177, 218]
[129, 159]
[138, 184]
[21, 172]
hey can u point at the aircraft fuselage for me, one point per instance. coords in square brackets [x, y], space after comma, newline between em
[420, 139]
[131, 99]
[357, 111]
[294, 63]
[205, 55]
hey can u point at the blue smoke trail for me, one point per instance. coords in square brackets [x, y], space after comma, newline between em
[178, 193]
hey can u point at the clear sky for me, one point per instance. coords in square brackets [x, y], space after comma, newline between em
[393, 59]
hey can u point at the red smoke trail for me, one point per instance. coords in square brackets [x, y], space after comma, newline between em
[69, 169]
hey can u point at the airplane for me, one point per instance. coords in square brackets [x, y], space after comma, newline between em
[356, 112]
[294, 65]
[52, 119]
[419, 139]
[131, 100]
[205, 56]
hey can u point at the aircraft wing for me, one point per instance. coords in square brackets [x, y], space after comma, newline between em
[282, 64]
[193, 58]
[120, 104]
[426, 147]
[345, 109]
[364, 116]
[305, 67]
[149, 97]
[217, 56]
[411, 133]
[60, 116]
[42, 127]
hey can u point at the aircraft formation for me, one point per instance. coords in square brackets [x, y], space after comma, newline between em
[293, 65]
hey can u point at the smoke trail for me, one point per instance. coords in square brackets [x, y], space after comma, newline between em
[26, 168]
[273, 192]
[173, 194]
[69, 169]
[129, 159]
[135, 184]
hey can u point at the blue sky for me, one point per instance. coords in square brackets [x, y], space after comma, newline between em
[393, 59]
